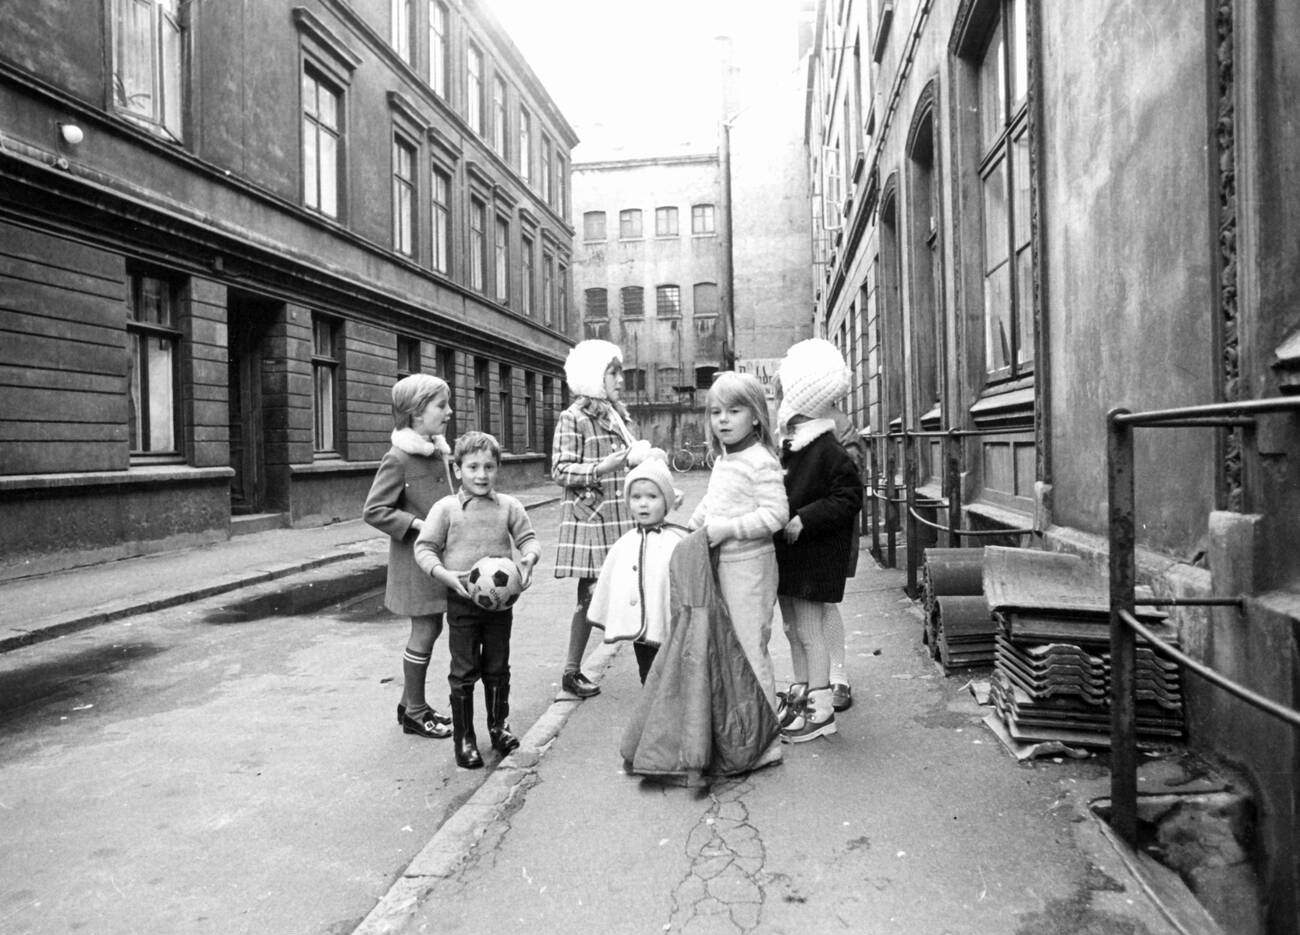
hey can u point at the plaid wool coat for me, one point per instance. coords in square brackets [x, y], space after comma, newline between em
[593, 515]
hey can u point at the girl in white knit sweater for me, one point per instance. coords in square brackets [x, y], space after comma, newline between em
[745, 505]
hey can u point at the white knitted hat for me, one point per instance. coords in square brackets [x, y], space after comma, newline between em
[584, 368]
[813, 379]
[655, 471]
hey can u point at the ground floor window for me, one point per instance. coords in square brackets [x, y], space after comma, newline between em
[155, 366]
[325, 384]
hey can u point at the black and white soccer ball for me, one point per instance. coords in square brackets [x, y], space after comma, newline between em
[494, 583]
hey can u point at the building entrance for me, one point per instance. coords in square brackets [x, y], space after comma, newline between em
[248, 319]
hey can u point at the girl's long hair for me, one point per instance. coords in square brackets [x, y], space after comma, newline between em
[744, 389]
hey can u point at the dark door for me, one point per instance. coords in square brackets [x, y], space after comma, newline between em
[247, 318]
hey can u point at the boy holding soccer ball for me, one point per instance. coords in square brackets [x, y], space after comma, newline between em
[471, 524]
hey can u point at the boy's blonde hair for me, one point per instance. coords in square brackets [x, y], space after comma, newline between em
[411, 394]
[474, 441]
[739, 389]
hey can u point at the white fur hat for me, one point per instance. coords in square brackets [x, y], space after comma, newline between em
[813, 379]
[654, 470]
[584, 368]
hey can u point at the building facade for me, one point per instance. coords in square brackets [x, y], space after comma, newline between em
[1027, 214]
[227, 229]
[648, 273]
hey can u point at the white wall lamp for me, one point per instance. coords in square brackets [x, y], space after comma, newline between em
[71, 134]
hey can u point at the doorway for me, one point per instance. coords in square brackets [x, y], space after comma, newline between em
[248, 320]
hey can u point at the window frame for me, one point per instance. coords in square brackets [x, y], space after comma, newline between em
[624, 293]
[701, 212]
[525, 144]
[666, 221]
[501, 258]
[548, 287]
[312, 200]
[475, 64]
[402, 29]
[408, 356]
[439, 20]
[478, 256]
[500, 118]
[327, 361]
[440, 231]
[601, 307]
[630, 224]
[545, 188]
[405, 195]
[482, 395]
[528, 272]
[167, 66]
[673, 293]
[140, 334]
[505, 402]
[587, 227]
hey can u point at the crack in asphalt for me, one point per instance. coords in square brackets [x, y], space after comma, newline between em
[722, 890]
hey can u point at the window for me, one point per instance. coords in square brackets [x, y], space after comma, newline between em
[527, 264]
[531, 433]
[501, 255]
[482, 402]
[665, 222]
[148, 69]
[562, 304]
[408, 356]
[562, 186]
[325, 384]
[668, 301]
[438, 47]
[547, 190]
[632, 299]
[704, 377]
[505, 401]
[593, 226]
[597, 303]
[705, 299]
[629, 224]
[474, 88]
[548, 288]
[702, 219]
[499, 116]
[598, 328]
[1005, 188]
[525, 143]
[446, 357]
[666, 381]
[441, 220]
[477, 245]
[322, 144]
[155, 366]
[403, 11]
[403, 197]
[634, 380]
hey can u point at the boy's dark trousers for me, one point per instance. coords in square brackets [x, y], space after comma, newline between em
[479, 643]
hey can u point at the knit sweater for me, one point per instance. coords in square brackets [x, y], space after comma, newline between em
[747, 493]
[462, 528]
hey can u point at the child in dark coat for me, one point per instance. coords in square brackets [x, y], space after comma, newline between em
[812, 552]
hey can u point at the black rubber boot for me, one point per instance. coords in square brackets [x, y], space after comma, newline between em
[462, 731]
[498, 709]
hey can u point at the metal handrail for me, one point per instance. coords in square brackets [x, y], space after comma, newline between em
[1124, 626]
[1023, 530]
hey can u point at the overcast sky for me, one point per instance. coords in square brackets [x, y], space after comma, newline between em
[638, 78]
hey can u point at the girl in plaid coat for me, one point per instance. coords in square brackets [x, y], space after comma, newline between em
[592, 450]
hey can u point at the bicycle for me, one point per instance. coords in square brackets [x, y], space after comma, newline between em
[688, 456]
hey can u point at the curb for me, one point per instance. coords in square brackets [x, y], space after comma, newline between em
[452, 845]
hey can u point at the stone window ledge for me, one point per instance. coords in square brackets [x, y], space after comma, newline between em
[153, 474]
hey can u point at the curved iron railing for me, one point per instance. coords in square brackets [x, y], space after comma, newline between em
[1124, 626]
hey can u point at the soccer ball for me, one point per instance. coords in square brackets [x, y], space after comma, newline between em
[494, 583]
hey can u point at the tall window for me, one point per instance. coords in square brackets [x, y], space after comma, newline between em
[148, 56]
[562, 300]
[547, 190]
[446, 358]
[403, 198]
[629, 224]
[474, 88]
[482, 401]
[548, 288]
[403, 14]
[438, 47]
[668, 301]
[531, 434]
[322, 144]
[525, 144]
[634, 380]
[593, 225]
[1004, 178]
[477, 245]
[597, 301]
[505, 402]
[325, 383]
[665, 222]
[705, 299]
[528, 263]
[155, 365]
[408, 356]
[561, 186]
[501, 255]
[632, 299]
[499, 116]
[702, 219]
[441, 220]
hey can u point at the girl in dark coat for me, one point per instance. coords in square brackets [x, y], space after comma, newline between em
[812, 552]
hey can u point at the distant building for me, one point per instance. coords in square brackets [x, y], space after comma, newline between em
[226, 229]
[648, 275]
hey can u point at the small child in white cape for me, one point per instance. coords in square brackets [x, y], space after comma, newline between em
[630, 600]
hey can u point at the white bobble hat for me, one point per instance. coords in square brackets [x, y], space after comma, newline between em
[584, 368]
[656, 471]
[813, 379]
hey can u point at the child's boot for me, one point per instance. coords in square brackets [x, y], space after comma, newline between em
[462, 731]
[816, 719]
[498, 709]
[791, 703]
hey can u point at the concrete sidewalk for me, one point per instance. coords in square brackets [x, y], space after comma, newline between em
[45, 606]
[911, 819]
